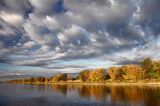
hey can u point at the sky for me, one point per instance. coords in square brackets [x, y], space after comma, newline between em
[41, 37]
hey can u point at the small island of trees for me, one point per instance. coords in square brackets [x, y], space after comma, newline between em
[147, 70]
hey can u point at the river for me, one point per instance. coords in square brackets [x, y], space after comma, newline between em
[78, 95]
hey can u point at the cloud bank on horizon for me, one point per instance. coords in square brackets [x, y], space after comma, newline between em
[44, 36]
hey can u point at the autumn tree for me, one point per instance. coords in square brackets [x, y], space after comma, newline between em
[132, 72]
[147, 65]
[40, 79]
[155, 73]
[97, 75]
[32, 79]
[59, 77]
[84, 75]
[63, 77]
[115, 73]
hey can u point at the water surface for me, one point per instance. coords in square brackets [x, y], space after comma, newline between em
[78, 95]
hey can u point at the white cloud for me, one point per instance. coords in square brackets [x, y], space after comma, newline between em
[11, 18]
[75, 18]
[6, 31]
[51, 23]
[75, 35]
[29, 44]
[44, 48]
[40, 30]
[151, 49]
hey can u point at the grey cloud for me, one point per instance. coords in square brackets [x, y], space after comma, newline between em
[121, 31]
[126, 62]
[3, 60]
[39, 32]
[147, 10]
[68, 66]
[43, 6]
[77, 54]
[74, 35]
[30, 63]
[29, 44]
[15, 6]
[14, 12]
[6, 29]
[110, 12]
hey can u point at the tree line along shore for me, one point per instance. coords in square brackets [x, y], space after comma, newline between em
[147, 70]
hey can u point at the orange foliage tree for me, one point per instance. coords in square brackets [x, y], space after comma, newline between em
[84, 75]
[115, 73]
[132, 72]
[97, 75]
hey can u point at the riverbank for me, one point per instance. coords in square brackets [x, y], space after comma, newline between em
[116, 83]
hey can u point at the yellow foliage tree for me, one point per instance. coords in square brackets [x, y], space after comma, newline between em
[132, 72]
[115, 73]
[83, 75]
[97, 75]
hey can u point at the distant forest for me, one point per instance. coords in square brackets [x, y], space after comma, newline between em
[146, 70]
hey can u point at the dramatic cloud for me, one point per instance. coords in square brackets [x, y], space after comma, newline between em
[70, 35]
[74, 35]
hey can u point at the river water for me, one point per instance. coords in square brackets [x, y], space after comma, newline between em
[78, 95]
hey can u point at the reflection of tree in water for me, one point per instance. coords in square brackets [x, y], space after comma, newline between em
[64, 88]
[153, 96]
[140, 95]
[96, 91]
[121, 93]
[60, 88]
[150, 96]
[37, 87]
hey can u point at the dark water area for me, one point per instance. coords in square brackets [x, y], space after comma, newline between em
[78, 95]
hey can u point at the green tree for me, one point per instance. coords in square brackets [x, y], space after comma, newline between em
[155, 73]
[147, 65]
